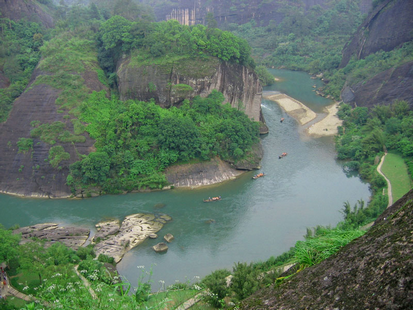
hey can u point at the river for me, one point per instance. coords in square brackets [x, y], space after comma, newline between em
[256, 219]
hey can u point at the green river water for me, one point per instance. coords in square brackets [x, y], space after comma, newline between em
[255, 219]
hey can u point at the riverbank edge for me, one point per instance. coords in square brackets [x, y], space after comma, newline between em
[296, 109]
[327, 126]
[228, 173]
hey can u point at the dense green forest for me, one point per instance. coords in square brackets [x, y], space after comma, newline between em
[136, 141]
[308, 41]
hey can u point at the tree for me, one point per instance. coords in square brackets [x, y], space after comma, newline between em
[8, 245]
[211, 21]
[179, 134]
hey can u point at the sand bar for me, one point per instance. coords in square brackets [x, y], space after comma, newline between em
[294, 108]
[328, 125]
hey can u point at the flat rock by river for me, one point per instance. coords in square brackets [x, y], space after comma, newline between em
[73, 237]
[112, 238]
[120, 238]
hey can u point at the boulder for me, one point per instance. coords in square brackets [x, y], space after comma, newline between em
[168, 238]
[160, 247]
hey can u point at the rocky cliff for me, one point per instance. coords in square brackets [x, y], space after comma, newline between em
[384, 88]
[372, 272]
[388, 26]
[171, 82]
[26, 161]
[18, 9]
[191, 12]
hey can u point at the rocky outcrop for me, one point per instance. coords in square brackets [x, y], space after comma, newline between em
[372, 272]
[115, 240]
[168, 83]
[18, 9]
[384, 88]
[29, 173]
[73, 237]
[201, 174]
[388, 26]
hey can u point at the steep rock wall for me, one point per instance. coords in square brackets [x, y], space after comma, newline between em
[371, 272]
[239, 84]
[191, 12]
[30, 173]
[383, 89]
[388, 26]
[18, 9]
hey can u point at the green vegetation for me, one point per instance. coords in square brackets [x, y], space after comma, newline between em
[19, 54]
[363, 139]
[25, 144]
[360, 71]
[167, 39]
[136, 141]
[53, 132]
[49, 275]
[57, 154]
[395, 169]
[306, 40]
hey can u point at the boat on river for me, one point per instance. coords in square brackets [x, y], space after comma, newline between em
[212, 199]
[282, 155]
[259, 175]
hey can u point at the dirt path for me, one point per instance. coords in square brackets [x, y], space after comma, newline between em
[387, 180]
[86, 283]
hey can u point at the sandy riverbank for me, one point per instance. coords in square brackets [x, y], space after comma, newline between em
[294, 108]
[328, 125]
[325, 127]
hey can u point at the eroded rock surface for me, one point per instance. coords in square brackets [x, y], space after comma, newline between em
[18, 9]
[239, 84]
[73, 237]
[200, 174]
[133, 231]
[374, 271]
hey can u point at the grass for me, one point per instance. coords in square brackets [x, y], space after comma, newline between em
[395, 169]
[175, 298]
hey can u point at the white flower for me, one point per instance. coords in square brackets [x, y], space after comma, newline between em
[25, 288]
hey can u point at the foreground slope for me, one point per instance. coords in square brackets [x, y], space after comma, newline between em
[374, 271]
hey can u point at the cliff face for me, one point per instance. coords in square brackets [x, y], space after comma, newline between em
[190, 12]
[167, 83]
[18, 9]
[388, 26]
[29, 173]
[384, 88]
[372, 272]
